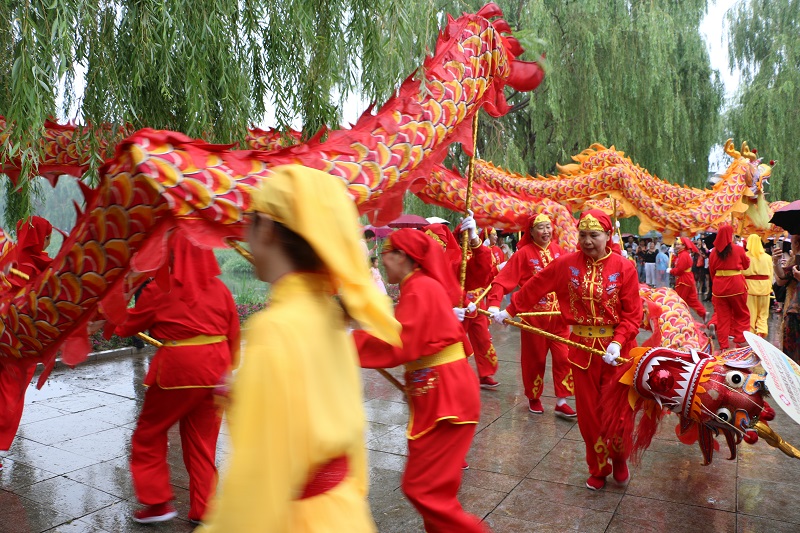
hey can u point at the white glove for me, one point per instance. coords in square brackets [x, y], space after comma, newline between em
[468, 224]
[471, 307]
[615, 238]
[612, 352]
[459, 312]
[499, 316]
[486, 242]
[501, 265]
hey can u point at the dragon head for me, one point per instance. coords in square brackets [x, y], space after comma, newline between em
[711, 394]
[756, 174]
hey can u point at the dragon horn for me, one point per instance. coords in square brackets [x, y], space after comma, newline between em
[747, 153]
[775, 440]
[730, 150]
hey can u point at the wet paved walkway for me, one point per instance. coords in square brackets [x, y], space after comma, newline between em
[67, 470]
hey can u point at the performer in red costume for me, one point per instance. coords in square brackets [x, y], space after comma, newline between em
[684, 278]
[729, 288]
[598, 293]
[478, 276]
[444, 401]
[489, 238]
[33, 236]
[197, 320]
[535, 251]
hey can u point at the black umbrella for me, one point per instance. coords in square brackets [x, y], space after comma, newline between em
[788, 217]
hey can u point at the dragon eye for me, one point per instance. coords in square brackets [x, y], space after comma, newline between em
[734, 378]
[724, 414]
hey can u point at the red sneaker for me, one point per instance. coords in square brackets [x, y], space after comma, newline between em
[488, 382]
[465, 466]
[160, 512]
[595, 483]
[535, 406]
[565, 410]
[621, 474]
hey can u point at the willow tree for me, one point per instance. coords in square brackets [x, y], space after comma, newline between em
[765, 47]
[634, 74]
[207, 68]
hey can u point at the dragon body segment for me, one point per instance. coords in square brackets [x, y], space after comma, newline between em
[601, 174]
[158, 180]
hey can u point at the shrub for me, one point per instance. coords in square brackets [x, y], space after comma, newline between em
[237, 265]
[393, 290]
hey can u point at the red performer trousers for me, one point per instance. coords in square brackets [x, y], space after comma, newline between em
[485, 357]
[15, 376]
[589, 404]
[533, 357]
[433, 476]
[733, 318]
[689, 295]
[199, 419]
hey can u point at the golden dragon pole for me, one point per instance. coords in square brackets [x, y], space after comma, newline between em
[467, 201]
[551, 336]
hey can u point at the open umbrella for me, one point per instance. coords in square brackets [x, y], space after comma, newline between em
[408, 221]
[788, 217]
[380, 232]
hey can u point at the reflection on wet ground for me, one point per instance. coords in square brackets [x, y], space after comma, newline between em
[68, 468]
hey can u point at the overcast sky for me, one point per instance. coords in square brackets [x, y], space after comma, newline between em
[714, 28]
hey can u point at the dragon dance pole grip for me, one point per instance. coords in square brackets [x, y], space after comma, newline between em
[775, 440]
[467, 202]
[241, 249]
[150, 340]
[483, 294]
[551, 336]
[391, 379]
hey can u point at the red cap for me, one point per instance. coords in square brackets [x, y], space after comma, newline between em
[426, 252]
[594, 220]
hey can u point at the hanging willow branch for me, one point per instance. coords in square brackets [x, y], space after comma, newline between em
[207, 68]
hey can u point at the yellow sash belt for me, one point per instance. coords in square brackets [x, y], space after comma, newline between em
[727, 273]
[593, 331]
[200, 340]
[454, 352]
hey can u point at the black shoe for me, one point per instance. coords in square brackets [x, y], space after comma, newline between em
[138, 343]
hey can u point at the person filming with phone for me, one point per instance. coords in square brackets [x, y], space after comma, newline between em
[787, 274]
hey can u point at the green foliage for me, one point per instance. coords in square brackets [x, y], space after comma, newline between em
[635, 75]
[237, 265]
[207, 68]
[224, 255]
[765, 47]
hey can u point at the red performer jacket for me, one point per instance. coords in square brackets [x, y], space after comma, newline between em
[497, 257]
[683, 269]
[590, 293]
[728, 285]
[448, 392]
[528, 261]
[480, 271]
[168, 317]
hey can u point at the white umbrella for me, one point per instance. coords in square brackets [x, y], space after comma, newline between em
[437, 220]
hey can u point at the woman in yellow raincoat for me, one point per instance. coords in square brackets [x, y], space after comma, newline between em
[296, 417]
[759, 284]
